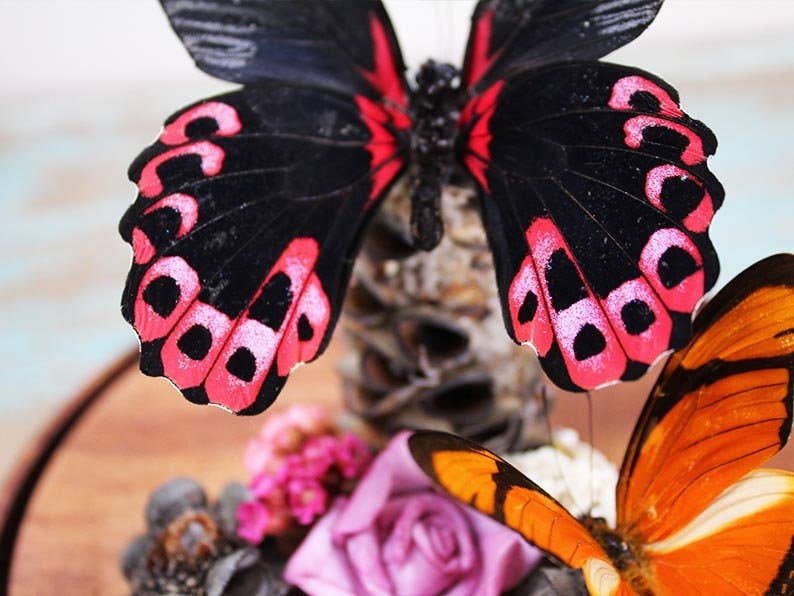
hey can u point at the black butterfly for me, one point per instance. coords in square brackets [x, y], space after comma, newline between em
[595, 193]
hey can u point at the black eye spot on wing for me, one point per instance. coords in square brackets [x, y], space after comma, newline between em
[680, 196]
[637, 317]
[645, 101]
[273, 303]
[588, 342]
[196, 342]
[242, 364]
[162, 294]
[674, 266]
[528, 308]
[305, 330]
[562, 277]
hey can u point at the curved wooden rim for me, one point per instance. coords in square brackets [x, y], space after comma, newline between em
[21, 482]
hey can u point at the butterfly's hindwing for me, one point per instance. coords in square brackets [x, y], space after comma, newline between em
[249, 214]
[597, 201]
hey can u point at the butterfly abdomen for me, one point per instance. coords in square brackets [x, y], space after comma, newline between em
[435, 105]
[626, 555]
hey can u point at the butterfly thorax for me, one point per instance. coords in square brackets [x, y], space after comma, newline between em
[436, 101]
[626, 555]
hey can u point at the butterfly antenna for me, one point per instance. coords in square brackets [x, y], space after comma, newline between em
[544, 399]
[590, 440]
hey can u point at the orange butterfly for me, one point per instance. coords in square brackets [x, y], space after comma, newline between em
[695, 515]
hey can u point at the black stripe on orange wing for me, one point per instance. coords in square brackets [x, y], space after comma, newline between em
[721, 407]
[491, 485]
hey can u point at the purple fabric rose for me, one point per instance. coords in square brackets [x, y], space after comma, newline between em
[397, 535]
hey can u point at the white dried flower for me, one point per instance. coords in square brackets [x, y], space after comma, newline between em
[580, 477]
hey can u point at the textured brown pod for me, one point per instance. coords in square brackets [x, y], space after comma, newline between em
[428, 336]
[427, 347]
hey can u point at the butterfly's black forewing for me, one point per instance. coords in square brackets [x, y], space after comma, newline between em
[597, 201]
[250, 209]
[513, 35]
[339, 45]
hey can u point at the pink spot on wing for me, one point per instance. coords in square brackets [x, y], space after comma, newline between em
[225, 115]
[148, 323]
[177, 366]
[544, 239]
[211, 155]
[700, 217]
[315, 306]
[536, 331]
[185, 205]
[646, 346]
[685, 295]
[693, 153]
[297, 262]
[142, 248]
[624, 88]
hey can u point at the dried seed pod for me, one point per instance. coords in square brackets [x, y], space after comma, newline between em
[552, 581]
[442, 358]
[171, 500]
[388, 241]
[381, 375]
[426, 336]
[461, 400]
[364, 304]
[225, 509]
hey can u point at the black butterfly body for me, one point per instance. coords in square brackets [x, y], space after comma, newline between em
[595, 193]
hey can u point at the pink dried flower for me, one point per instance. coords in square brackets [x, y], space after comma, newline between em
[253, 520]
[310, 419]
[307, 499]
[316, 458]
[352, 456]
[298, 464]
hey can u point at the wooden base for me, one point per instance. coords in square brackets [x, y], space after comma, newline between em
[78, 498]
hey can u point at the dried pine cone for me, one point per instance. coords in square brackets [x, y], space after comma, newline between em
[428, 346]
[191, 548]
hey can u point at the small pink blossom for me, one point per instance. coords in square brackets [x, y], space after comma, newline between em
[307, 499]
[253, 520]
[317, 457]
[352, 456]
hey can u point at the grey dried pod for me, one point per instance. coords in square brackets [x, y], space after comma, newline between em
[191, 547]
[552, 581]
[427, 347]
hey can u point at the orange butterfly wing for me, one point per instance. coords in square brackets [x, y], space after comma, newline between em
[485, 481]
[721, 407]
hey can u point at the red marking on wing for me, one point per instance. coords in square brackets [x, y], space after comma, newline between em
[693, 154]
[626, 87]
[386, 78]
[477, 114]
[211, 155]
[646, 346]
[184, 371]
[544, 238]
[315, 307]
[478, 61]
[684, 296]
[225, 115]
[382, 146]
[537, 329]
[148, 323]
[185, 205]
[700, 217]
[142, 248]
[265, 345]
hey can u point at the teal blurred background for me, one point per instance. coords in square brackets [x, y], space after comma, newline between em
[85, 84]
